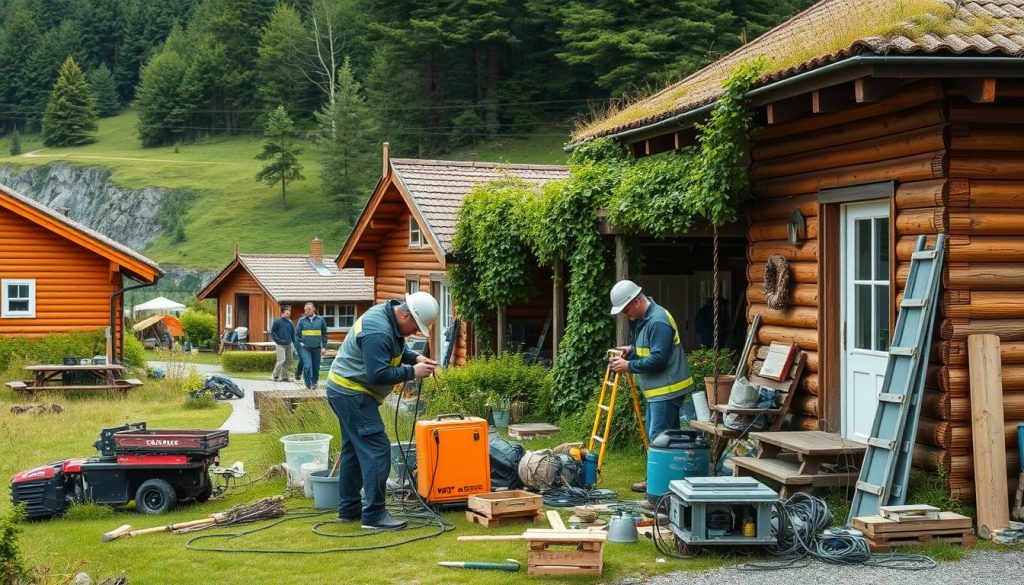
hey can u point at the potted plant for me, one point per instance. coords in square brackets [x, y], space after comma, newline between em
[702, 368]
[500, 404]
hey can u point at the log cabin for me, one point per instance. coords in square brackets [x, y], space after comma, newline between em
[909, 125]
[251, 289]
[403, 239]
[57, 275]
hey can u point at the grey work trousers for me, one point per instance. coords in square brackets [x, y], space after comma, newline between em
[282, 369]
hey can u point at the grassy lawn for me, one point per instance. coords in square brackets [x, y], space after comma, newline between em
[72, 543]
[229, 202]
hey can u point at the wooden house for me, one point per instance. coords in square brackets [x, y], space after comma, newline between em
[57, 275]
[251, 289]
[913, 127]
[403, 239]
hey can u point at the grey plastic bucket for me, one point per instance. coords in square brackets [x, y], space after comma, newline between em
[325, 490]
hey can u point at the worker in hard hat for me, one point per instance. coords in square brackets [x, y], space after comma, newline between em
[656, 357]
[372, 360]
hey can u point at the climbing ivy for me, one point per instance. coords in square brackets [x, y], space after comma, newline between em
[506, 228]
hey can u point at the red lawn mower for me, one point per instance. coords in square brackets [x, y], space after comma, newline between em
[155, 467]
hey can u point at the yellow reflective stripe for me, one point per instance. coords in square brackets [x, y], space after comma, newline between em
[675, 329]
[653, 392]
[395, 360]
[356, 327]
[346, 383]
[311, 333]
[643, 352]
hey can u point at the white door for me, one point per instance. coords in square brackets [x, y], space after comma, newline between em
[445, 317]
[865, 310]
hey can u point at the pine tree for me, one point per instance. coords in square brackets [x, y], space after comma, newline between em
[104, 91]
[282, 152]
[283, 44]
[345, 137]
[70, 117]
[19, 38]
[15, 142]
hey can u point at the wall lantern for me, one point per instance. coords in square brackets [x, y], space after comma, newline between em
[797, 228]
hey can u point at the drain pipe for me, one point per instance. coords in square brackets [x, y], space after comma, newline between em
[119, 350]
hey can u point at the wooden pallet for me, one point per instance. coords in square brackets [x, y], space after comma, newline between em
[564, 552]
[883, 533]
[503, 519]
[495, 504]
[532, 430]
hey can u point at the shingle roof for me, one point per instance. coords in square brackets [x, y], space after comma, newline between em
[292, 277]
[439, 186]
[834, 30]
[84, 230]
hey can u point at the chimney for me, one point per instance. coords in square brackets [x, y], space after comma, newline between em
[387, 159]
[316, 251]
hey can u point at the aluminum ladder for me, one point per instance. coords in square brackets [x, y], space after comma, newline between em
[609, 391]
[886, 467]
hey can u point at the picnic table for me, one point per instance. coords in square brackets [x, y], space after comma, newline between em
[51, 377]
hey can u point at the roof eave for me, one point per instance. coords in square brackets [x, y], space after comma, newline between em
[856, 67]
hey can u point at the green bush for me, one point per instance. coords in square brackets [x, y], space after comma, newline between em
[12, 567]
[487, 381]
[52, 349]
[702, 363]
[200, 327]
[196, 393]
[134, 352]
[248, 361]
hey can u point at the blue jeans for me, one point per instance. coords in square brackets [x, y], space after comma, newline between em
[365, 456]
[663, 415]
[310, 365]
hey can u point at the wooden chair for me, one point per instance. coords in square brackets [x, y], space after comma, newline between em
[776, 416]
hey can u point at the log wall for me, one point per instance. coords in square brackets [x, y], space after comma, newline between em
[73, 284]
[959, 170]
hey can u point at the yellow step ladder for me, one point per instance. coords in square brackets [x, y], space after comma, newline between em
[611, 381]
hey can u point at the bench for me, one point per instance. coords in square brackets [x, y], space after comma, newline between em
[17, 386]
[29, 388]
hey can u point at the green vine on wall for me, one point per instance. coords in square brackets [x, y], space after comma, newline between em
[506, 228]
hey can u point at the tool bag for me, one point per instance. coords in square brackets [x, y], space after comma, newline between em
[223, 388]
[505, 457]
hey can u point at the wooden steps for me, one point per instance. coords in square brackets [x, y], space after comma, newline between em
[883, 534]
[802, 460]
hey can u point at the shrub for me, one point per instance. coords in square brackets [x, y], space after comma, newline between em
[12, 567]
[134, 352]
[248, 361]
[200, 328]
[486, 381]
[53, 348]
[702, 363]
[196, 393]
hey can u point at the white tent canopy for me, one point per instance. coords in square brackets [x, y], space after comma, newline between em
[160, 304]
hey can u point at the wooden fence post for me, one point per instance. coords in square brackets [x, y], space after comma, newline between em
[991, 491]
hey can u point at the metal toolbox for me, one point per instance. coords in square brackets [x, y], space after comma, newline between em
[713, 510]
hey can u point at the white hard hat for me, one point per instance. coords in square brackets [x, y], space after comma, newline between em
[423, 309]
[622, 293]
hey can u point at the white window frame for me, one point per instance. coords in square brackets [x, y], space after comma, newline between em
[333, 312]
[412, 284]
[415, 233]
[229, 318]
[6, 312]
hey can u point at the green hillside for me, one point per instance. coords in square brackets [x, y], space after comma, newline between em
[231, 207]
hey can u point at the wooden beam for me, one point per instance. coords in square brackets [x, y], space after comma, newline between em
[788, 109]
[991, 493]
[557, 309]
[830, 99]
[377, 224]
[621, 272]
[867, 90]
[499, 336]
[370, 265]
[978, 91]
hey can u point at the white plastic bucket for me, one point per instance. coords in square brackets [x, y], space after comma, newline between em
[306, 469]
[304, 448]
[700, 405]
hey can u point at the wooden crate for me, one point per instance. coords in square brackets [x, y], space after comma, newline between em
[882, 534]
[495, 504]
[564, 552]
[503, 519]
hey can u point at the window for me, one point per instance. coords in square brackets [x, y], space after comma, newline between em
[412, 284]
[339, 316]
[228, 320]
[19, 299]
[415, 235]
[871, 284]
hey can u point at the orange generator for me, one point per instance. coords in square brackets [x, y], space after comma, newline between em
[453, 458]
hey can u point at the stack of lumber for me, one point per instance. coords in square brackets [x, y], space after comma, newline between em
[882, 533]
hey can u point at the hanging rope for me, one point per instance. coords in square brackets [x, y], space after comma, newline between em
[714, 306]
[776, 282]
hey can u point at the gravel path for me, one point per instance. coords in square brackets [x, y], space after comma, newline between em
[981, 567]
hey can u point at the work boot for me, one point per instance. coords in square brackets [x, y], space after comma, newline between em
[346, 519]
[384, 522]
[639, 487]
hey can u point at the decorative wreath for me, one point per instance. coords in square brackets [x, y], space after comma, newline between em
[776, 282]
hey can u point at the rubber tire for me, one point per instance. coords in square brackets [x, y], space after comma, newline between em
[206, 493]
[155, 496]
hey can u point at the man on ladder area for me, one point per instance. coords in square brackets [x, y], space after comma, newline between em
[656, 357]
